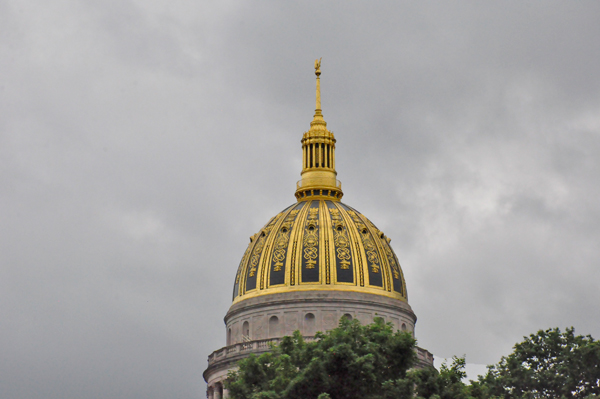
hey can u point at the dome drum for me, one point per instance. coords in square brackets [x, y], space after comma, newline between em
[255, 323]
[277, 315]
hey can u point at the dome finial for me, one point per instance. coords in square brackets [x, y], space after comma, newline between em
[318, 114]
[318, 156]
[318, 73]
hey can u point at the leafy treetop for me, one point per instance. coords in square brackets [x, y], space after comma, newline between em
[354, 361]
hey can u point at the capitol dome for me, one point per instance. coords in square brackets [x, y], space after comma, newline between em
[319, 244]
[315, 262]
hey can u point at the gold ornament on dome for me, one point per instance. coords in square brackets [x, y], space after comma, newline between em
[258, 250]
[256, 256]
[311, 238]
[368, 243]
[385, 243]
[342, 248]
[281, 242]
[340, 239]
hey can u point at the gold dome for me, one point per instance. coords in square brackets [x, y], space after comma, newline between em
[319, 243]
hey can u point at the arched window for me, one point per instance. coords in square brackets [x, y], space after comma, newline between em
[403, 326]
[273, 327]
[229, 342]
[347, 316]
[309, 324]
[246, 331]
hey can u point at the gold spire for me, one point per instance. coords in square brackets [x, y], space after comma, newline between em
[318, 73]
[318, 156]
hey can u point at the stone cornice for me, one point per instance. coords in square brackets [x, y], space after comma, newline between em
[319, 297]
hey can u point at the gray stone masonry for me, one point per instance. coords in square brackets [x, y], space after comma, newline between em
[254, 323]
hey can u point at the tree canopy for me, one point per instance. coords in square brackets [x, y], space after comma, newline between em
[372, 361]
[350, 361]
[548, 364]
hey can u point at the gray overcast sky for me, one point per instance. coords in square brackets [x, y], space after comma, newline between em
[143, 142]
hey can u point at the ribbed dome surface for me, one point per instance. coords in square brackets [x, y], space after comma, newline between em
[319, 244]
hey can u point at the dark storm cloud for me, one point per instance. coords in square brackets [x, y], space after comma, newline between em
[142, 143]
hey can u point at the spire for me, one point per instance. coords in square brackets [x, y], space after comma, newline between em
[318, 73]
[318, 114]
[318, 156]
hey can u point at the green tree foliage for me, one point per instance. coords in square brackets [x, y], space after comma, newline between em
[548, 364]
[354, 361]
[350, 361]
[445, 384]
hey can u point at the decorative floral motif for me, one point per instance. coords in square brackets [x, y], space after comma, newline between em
[258, 249]
[336, 217]
[256, 255]
[390, 257]
[340, 238]
[395, 268]
[370, 247]
[311, 238]
[281, 242]
[343, 252]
